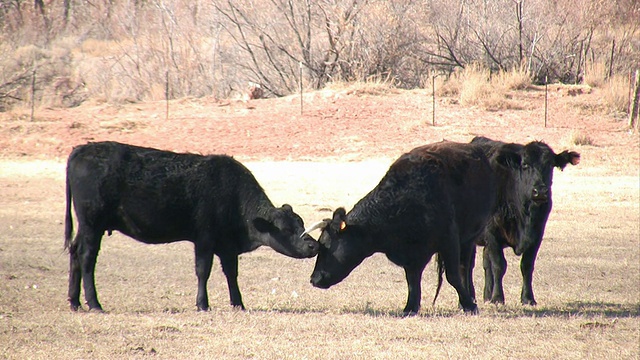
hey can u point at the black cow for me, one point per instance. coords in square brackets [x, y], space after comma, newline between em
[437, 198]
[503, 232]
[159, 197]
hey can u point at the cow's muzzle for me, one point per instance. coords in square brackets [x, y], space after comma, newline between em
[318, 279]
[312, 246]
[540, 195]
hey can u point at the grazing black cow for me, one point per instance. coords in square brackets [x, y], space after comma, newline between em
[160, 197]
[435, 199]
[503, 232]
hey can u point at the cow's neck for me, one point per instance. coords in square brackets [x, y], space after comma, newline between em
[512, 218]
[259, 206]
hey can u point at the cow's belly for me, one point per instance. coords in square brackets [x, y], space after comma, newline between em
[152, 224]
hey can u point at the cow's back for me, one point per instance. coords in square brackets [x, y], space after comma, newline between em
[468, 181]
[157, 196]
[429, 186]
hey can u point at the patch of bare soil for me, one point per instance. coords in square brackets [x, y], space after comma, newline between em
[341, 125]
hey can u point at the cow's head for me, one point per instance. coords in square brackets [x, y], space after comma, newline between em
[521, 182]
[536, 160]
[542, 160]
[283, 231]
[541, 157]
[520, 188]
[342, 248]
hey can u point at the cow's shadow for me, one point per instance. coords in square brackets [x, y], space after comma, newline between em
[585, 308]
[571, 309]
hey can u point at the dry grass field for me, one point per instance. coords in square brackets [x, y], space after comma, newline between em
[587, 278]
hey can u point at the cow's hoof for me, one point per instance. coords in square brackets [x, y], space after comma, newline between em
[409, 313]
[529, 302]
[471, 310]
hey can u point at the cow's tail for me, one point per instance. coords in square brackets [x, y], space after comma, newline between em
[68, 220]
[440, 267]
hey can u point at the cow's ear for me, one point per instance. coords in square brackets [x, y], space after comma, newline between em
[338, 222]
[340, 214]
[509, 158]
[567, 157]
[262, 225]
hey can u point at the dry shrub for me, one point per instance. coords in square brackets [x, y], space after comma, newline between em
[475, 86]
[595, 74]
[578, 138]
[615, 89]
[449, 87]
[100, 48]
[517, 78]
[491, 94]
[108, 83]
[57, 83]
[498, 101]
[616, 95]
[374, 85]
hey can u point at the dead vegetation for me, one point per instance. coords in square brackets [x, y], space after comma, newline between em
[61, 54]
[588, 303]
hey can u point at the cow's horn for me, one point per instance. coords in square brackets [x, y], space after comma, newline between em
[318, 225]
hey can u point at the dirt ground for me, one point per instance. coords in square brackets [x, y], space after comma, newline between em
[343, 125]
[586, 278]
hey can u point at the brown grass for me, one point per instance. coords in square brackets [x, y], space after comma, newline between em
[579, 138]
[476, 87]
[616, 95]
[586, 283]
[374, 85]
[615, 99]
[595, 74]
[515, 79]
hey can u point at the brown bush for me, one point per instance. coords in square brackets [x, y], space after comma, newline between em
[130, 51]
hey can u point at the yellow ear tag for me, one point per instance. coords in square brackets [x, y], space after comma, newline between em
[343, 225]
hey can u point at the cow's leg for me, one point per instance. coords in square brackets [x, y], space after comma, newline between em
[204, 262]
[488, 275]
[75, 276]
[230, 269]
[414, 280]
[526, 267]
[467, 263]
[451, 257]
[498, 269]
[88, 244]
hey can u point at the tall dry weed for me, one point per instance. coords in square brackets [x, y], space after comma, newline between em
[475, 85]
[373, 85]
[448, 87]
[616, 95]
[518, 78]
[579, 138]
[595, 74]
[478, 88]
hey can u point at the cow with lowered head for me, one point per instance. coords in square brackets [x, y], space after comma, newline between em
[503, 231]
[159, 197]
[437, 198]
